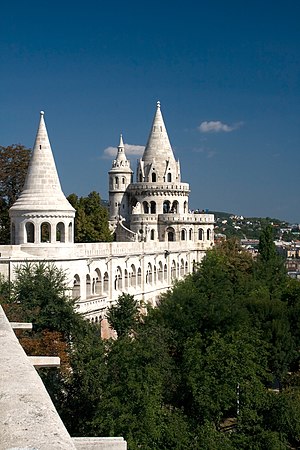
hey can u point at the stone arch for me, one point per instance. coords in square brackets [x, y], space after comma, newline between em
[30, 232]
[190, 234]
[183, 234]
[118, 279]
[149, 279]
[88, 286]
[98, 282]
[165, 272]
[133, 276]
[60, 232]
[166, 206]
[146, 207]
[139, 276]
[45, 232]
[76, 287]
[200, 234]
[160, 271]
[70, 232]
[105, 282]
[173, 270]
[175, 207]
[181, 267]
[152, 207]
[170, 232]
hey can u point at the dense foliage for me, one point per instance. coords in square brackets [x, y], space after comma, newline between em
[91, 220]
[14, 161]
[214, 366]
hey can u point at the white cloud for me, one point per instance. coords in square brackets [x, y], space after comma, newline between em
[130, 150]
[215, 126]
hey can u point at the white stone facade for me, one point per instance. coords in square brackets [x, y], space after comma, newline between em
[158, 239]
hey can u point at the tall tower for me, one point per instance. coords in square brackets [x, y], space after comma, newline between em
[42, 214]
[158, 193]
[120, 176]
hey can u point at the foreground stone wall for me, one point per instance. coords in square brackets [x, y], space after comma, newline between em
[28, 418]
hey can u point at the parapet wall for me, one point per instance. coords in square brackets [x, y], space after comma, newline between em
[28, 418]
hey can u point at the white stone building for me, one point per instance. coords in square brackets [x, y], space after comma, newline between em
[157, 239]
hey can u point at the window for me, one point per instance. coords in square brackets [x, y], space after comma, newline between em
[29, 227]
[152, 207]
[169, 177]
[200, 234]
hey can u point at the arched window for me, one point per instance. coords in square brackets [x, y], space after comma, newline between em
[60, 232]
[165, 272]
[153, 177]
[29, 227]
[98, 287]
[154, 274]
[171, 234]
[123, 180]
[200, 234]
[152, 234]
[166, 206]
[183, 235]
[45, 232]
[181, 268]
[140, 178]
[139, 276]
[126, 278]
[116, 181]
[118, 279]
[208, 234]
[160, 271]
[186, 267]
[152, 207]
[88, 286]
[76, 287]
[173, 270]
[70, 232]
[149, 274]
[146, 207]
[185, 207]
[133, 276]
[105, 282]
[169, 177]
[190, 234]
[175, 207]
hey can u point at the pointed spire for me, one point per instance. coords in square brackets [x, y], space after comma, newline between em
[158, 146]
[42, 190]
[121, 163]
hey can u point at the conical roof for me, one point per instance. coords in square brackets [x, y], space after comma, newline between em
[42, 190]
[121, 163]
[158, 147]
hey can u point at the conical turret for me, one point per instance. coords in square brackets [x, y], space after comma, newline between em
[42, 213]
[42, 190]
[158, 162]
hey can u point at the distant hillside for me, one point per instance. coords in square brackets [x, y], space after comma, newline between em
[241, 227]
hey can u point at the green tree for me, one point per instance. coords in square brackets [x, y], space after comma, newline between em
[40, 292]
[123, 316]
[14, 161]
[91, 220]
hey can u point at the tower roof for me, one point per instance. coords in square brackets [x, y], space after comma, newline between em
[158, 147]
[42, 190]
[121, 163]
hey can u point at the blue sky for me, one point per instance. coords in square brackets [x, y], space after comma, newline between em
[227, 75]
